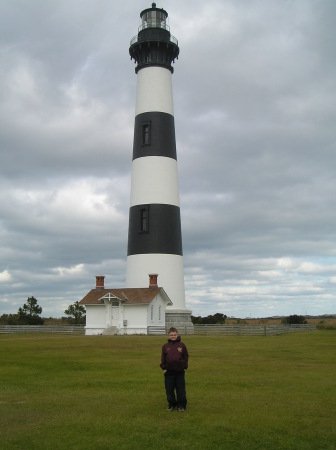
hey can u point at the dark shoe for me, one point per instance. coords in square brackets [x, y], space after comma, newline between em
[170, 408]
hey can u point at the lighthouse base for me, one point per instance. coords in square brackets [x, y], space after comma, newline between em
[179, 319]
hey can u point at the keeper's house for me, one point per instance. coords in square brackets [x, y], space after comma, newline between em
[125, 310]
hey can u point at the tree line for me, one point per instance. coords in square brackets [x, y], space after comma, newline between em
[219, 318]
[29, 314]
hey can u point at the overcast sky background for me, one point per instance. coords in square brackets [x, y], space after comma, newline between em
[255, 101]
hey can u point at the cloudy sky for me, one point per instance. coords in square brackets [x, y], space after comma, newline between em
[255, 101]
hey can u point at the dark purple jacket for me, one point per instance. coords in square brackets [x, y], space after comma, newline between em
[174, 357]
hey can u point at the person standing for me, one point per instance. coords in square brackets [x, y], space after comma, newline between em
[174, 362]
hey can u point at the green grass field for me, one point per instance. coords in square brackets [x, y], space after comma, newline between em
[106, 392]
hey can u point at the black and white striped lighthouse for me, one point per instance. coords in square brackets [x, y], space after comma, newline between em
[154, 235]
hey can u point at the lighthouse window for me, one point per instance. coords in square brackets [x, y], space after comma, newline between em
[146, 133]
[154, 19]
[144, 220]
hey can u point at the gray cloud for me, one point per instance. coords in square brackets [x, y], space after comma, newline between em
[254, 95]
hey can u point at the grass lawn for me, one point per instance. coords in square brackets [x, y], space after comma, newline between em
[107, 392]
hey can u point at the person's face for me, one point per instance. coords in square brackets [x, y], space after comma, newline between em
[172, 335]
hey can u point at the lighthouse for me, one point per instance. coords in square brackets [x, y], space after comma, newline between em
[154, 233]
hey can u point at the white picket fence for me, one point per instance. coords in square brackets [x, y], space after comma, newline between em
[255, 330]
[204, 329]
[237, 330]
[24, 329]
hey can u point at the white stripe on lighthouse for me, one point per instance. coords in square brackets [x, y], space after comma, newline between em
[170, 270]
[154, 91]
[154, 180]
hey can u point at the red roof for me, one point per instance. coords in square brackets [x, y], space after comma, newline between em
[128, 296]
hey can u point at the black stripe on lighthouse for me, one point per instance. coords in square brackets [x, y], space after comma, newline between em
[154, 135]
[154, 228]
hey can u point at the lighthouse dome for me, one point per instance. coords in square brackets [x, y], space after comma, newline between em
[154, 18]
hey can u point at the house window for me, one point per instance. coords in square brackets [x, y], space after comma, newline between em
[115, 303]
[144, 223]
[146, 133]
[152, 312]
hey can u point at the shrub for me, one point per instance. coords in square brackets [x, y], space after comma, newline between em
[326, 325]
[293, 320]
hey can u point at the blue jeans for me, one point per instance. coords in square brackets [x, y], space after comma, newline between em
[176, 382]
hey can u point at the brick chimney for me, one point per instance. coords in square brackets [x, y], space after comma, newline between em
[100, 281]
[153, 280]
